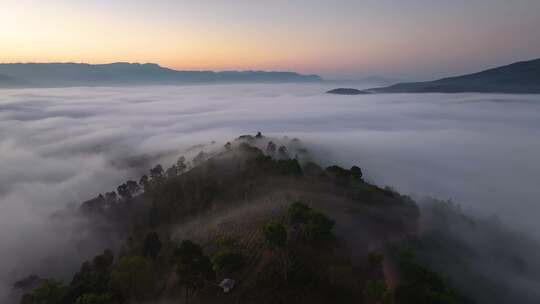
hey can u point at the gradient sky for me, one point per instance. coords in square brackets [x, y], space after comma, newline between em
[413, 39]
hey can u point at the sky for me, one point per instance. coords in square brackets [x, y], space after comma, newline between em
[415, 39]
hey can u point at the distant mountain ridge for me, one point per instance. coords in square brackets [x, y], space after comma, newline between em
[122, 73]
[520, 78]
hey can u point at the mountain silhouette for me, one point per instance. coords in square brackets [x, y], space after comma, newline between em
[521, 77]
[121, 73]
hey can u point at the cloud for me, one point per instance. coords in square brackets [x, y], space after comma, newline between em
[60, 146]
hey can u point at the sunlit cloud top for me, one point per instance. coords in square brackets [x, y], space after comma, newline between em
[344, 38]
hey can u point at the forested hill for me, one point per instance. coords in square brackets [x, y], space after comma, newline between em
[258, 221]
[520, 78]
[78, 74]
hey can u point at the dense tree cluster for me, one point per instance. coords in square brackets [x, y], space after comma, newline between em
[343, 175]
[193, 267]
[313, 224]
[91, 283]
[420, 285]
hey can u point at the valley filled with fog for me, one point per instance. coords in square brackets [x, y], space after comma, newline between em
[63, 146]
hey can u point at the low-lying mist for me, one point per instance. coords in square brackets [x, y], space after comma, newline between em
[64, 146]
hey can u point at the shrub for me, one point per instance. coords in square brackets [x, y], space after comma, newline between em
[375, 290]
[298, 212]
[132, 276]
[50, 292]
[318, 226]
[421, 285]
[275, 234]
[227, 261]
[92, 298]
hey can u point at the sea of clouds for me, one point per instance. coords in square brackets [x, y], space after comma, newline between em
[64, 146]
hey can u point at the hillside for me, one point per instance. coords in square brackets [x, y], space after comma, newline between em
[76, 74]
[519, 78]
[250, 223]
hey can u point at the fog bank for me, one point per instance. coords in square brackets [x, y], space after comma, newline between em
[61, 146]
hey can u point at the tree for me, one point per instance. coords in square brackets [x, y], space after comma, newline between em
[50, 292]
[298, 213]
[375, 290]
[181, 165]
[144, 183]
[92, 278]
[259, 135]
[93, 298]
[152, 245]
[318, 226]
[193, 268]
[132, 277]
[156, 173]
[132, 187]
[419, 284]
[228, 146]
[123, 191]
[356, 172]
[275, 234]
[271, 148]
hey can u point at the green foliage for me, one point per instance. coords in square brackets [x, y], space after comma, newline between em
[275, 234]
[421, 285]
[92, 298]
[132, 277]
[375, 259]
[298, 213]
[289, 167]
[342, 175]
[152, 245]
[50, 292]
[376, 290]
[356, 172]
[318, 226]
[315, 225]
[93, 277]
[193, 267]
[227, 261]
